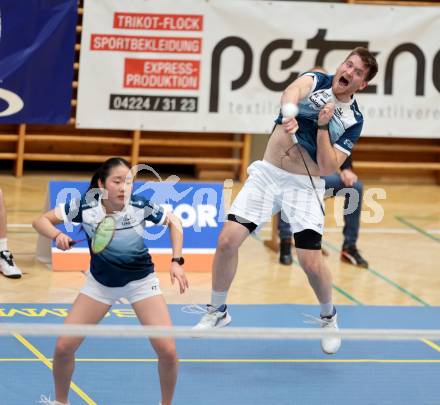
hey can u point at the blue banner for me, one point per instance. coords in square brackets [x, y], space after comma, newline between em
[37, 40]
[198, 205]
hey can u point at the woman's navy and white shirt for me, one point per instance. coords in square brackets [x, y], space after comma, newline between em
[126, 258]
[345, 126]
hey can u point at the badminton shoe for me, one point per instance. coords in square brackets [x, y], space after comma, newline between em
[7, 265]
[47, 401]
[286, 252]
[214, 318]
[330, 344]
[351, 255]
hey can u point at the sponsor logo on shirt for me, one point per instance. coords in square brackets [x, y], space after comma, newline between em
[319, 99]
[127, 221]
[348, 143]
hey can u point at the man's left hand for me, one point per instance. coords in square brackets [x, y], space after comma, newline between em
[348, 177]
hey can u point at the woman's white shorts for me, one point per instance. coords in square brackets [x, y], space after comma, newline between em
[133, 291]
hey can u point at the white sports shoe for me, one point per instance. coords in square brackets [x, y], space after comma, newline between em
[7, 265]
[330, 344]
[214, 318]
[47, 401]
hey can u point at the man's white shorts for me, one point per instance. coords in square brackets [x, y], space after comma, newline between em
[133, 291]
[269, 190]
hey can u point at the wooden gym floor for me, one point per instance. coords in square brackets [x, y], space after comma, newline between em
[402, 249]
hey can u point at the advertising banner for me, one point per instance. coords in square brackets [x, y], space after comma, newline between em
[37, 50]
[221, 66]
[198, 205]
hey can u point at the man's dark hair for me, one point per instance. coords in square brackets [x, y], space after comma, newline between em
[368, 59]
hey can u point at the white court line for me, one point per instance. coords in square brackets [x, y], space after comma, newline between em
[75, 250]
[402, 231]
[385, 230]
[35, 329]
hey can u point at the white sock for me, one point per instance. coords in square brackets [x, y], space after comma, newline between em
[218, 298]
[327, 309]
[3, 244]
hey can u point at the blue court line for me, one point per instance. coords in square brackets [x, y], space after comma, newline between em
[404, 220]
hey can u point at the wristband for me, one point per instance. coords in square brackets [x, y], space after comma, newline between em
[323, 127]
[56, 236]
[178, 260]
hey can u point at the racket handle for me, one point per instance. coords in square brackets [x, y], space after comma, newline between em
[74, 242]
[290, 110]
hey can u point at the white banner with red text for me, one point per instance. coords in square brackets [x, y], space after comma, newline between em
[221, 66]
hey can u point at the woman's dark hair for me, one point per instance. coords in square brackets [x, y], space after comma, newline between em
[104, 170]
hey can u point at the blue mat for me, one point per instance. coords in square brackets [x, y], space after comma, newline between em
[218, 372]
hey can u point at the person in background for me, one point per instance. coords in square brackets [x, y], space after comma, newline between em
[7, 264]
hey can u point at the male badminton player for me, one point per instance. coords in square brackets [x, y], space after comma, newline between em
[327, 125]
[120, 267]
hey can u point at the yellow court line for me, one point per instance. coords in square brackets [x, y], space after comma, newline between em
[431, 344]
[40, 356]
[17, 360]
[271, 360]
[133, 360]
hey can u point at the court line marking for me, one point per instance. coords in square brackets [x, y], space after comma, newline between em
[385, 278]
[378, 230]
[41, 357]
[337, 288]
[420, 230]
[346, 294]
[135, 360]
[327, 230]
[434, 216]
[431, 344]
[414, 229]
[400, 288]
[356, 301]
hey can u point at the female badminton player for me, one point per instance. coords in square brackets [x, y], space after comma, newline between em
[120, 266]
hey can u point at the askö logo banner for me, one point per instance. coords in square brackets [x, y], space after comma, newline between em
[199, 206]
[36, 61]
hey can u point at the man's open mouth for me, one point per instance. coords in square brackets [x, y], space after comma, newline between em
[343, 81]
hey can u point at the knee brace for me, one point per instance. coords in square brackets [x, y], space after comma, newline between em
[308, 239]
[243, 221]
